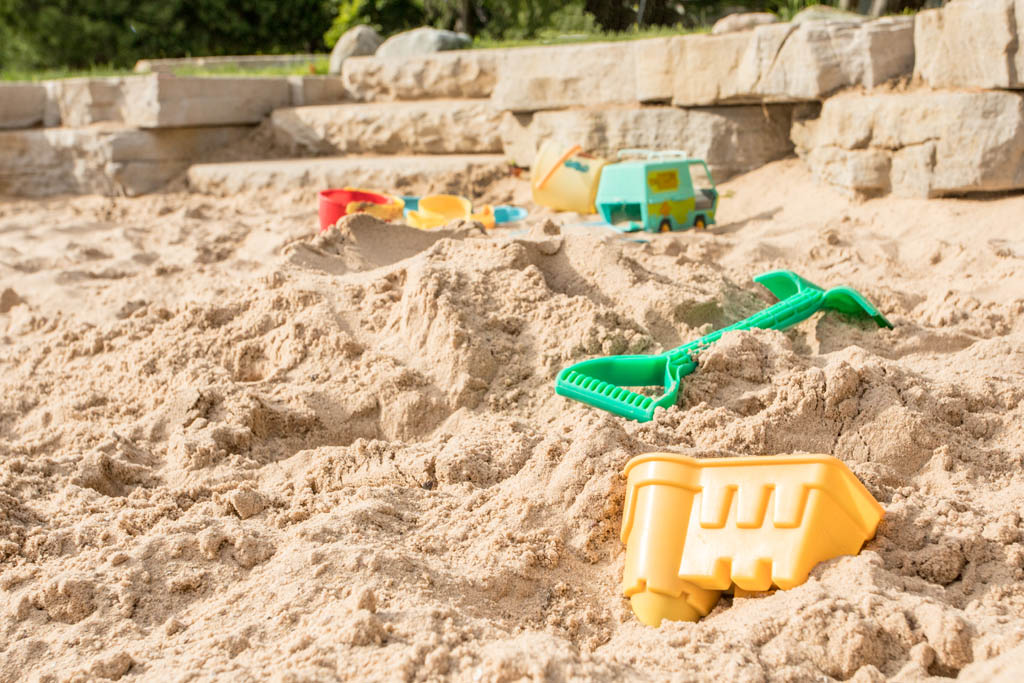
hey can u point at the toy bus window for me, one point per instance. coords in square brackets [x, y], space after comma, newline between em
[665, 180]
[700, 177]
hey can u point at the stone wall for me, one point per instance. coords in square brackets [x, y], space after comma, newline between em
[924, 144]
[921, 105]
[106, 159]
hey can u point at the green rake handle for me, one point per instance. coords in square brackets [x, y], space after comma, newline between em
[602, 382]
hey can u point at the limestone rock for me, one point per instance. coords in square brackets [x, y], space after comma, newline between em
[22, 104]
[358, 41]
[924, 144]
[791, 62]
[537, 78]
[84, 101]
[731, 139]
[104, 159]
[51, 110]
[312, 90]
[424, 174]
[430, 127]
[422, 41]
[971, 44]
[653, 59]
[742, 21]
[161, 101]
[460, 73]
[707, 69]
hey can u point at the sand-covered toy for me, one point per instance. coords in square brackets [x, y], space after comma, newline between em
[334, 204]
[602, 382]
[695, 527]
[436, 210]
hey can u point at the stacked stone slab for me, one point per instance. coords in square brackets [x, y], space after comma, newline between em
[604, 96]
[732, 140]
[416, 174]
[922, 144]
[791, 62]
[417, 127]
[22, 105]
[967, 137]
[131, 135]
[971, 44]
[108, 158]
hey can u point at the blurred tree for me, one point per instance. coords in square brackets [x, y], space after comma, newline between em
[387, 16]
[82, 33]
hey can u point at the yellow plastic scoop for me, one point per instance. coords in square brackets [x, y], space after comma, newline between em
[695, 527]
[435, 210]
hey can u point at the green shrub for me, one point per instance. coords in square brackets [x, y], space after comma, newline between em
[387, 16]
[80, 33]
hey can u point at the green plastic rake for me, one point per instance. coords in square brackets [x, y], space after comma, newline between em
[602, 382]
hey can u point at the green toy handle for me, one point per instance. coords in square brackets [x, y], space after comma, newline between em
[603, 382]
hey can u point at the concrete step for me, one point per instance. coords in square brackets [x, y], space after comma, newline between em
[418, 174]
[420, 127]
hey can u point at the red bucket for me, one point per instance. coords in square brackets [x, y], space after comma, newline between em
[334, 203]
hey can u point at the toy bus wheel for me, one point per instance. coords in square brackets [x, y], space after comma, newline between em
[665, 225]
[700, 223]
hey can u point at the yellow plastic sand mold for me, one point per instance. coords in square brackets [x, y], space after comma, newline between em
[696, 527]
[565, 179]
[436, 210]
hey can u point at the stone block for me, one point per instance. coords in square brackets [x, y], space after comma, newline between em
[971, 44]
[465, 174]
[791, 62]
[423, 127]
[313, 90]
[654, 60]
[924, 144]
[592, 74]
[22, 105]
[161, 101]
[105, 159]
[731, 140]
[84, 101]
[458, 73]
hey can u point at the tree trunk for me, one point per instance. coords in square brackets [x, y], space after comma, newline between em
[879, 7]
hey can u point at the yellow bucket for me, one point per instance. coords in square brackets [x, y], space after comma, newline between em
[436, 210]
[694, 528]
[565, 180]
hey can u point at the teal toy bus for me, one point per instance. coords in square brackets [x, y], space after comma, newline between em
[656, 193]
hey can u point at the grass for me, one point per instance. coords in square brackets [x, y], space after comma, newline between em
[53, 74]
[594, 37]
[318, 67]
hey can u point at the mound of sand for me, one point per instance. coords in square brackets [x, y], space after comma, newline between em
[231, 448]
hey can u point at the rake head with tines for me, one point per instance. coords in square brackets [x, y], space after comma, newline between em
[603, 382]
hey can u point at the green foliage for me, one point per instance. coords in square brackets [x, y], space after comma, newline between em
[80, 33]
[787, 9]
[387, 16]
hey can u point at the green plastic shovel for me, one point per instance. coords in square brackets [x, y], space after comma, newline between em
[602, 382]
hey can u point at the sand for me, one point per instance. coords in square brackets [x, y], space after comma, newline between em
[233, 450]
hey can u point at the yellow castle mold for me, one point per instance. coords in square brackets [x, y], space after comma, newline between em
[694, 528]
